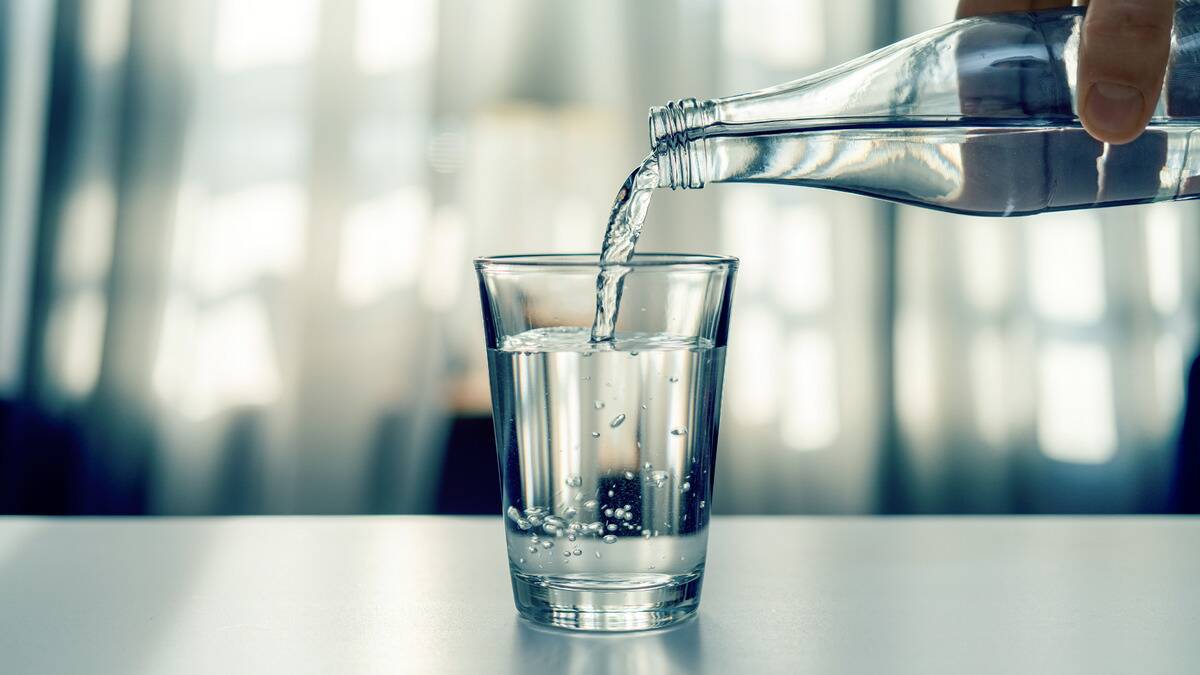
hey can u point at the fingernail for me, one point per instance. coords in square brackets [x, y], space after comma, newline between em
[1113, 107]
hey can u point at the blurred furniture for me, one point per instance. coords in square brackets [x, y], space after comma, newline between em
[431, 595]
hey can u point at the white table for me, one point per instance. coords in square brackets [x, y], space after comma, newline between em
[431, 595]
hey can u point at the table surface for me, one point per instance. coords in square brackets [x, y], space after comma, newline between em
[431, 595]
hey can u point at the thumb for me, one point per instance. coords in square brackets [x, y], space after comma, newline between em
[1123, 55]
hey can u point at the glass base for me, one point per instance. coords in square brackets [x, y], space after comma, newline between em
[603, 602]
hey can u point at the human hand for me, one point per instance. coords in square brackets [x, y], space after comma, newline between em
[1123, 53]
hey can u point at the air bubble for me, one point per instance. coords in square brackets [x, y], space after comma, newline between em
[628, 475]
[597, 554]
[672, 379]
[659, 478]
[611, 493]
[685, 487]
[577, 552]
[573, 480]
[570, 536]
[550, 528]
[628, 515]
[633, 353]
[646, 533]
[566, 553]
[647, 466]
[595, 434]
[523, 524]
[599, 404]
[520, 561]
[619, 513]
[616, 421]
[701, 503]
[590, 504]
[533, 549]
[612, 527]
[571, 511]
[547, 544]
[610, 538]
[628, 507]
[608, 513]
[679, 431]
[513, 513]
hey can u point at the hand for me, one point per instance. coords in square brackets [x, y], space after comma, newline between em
[1123, 56]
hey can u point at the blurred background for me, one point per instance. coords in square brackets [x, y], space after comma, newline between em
[235, 243]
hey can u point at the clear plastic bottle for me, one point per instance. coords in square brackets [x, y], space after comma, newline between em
[977, 116]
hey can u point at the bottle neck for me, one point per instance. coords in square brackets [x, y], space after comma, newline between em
[677, 138]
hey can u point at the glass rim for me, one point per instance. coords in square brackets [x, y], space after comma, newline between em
[654, 259]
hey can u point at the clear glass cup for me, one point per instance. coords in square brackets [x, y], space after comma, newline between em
[606, 450]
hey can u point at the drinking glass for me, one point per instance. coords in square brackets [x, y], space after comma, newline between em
[606, 449]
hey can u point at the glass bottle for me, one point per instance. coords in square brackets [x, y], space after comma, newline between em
[977, 116]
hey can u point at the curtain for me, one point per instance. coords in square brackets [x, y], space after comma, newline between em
[236, 243]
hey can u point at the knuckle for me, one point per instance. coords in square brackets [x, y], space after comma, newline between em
[1128, 24]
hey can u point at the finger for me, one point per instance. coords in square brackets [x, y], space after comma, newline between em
[1123, 55]
[981, 7]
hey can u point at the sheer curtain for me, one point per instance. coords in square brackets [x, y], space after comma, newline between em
[243, 282]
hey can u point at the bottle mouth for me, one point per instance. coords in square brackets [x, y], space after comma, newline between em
[676, 137]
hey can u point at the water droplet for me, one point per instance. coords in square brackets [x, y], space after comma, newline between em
[616, 421]
[659, 478]
[679, 431]
[612, 527]
[547, 544]
[610, 538]
[571, 511]
[590, 504]
[573, 480]
[628, 515]
[672, 379]
[628, 475]
[685, 487]
[595, 434]
[523, 524]
[513, 513]
[608, 513]
[599, 404]
[577, 552]
[570, 536]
